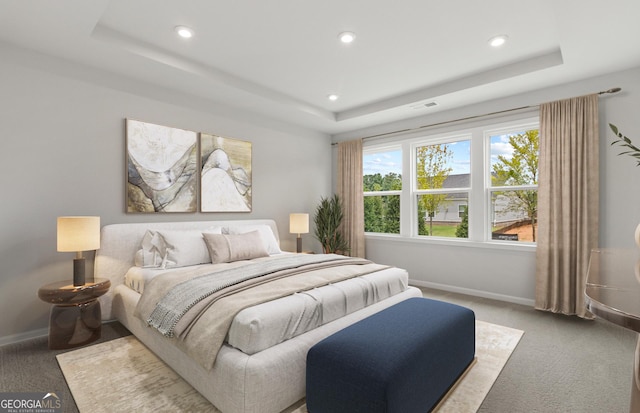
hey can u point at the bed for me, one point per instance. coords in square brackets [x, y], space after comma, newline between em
[259, 366]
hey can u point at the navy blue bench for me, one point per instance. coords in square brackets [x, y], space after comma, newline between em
[400, 360]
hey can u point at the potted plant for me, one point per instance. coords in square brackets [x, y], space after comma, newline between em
[328, 218]
[623, 141]
[632, 151]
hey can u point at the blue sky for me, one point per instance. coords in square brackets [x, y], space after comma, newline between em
[391, 161]
[384, 162]
[461, 162]
[500, 146]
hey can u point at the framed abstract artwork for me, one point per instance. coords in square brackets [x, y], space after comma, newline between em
[162, 168]
[225, 176]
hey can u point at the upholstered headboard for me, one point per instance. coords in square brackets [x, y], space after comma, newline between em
[119, 243]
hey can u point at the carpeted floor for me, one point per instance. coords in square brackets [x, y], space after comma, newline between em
[123, 375]
[562, 364]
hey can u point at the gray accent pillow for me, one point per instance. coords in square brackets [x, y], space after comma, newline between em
[234, 247]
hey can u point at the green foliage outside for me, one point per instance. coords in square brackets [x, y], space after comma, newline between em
[462, 230]
[382, 213]
[521, 169]
[432, 171]
[447, 231]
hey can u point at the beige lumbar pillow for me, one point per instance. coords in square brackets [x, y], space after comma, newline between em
[234, 247]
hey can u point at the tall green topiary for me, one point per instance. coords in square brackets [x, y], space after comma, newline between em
[328, 219]
[462, 230]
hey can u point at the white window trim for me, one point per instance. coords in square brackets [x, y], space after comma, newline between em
[479, 190]
[525, 124]
[382, 193]
[442, 191]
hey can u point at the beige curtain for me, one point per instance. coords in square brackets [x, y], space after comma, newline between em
[567, 203]
[350, 191]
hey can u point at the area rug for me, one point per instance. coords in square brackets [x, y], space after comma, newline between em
[123, 375]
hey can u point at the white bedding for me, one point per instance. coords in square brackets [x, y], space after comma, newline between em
[265, 382]
[262, 326]
[136, 277]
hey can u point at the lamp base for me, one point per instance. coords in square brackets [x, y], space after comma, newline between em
[78, 272]
[299, 245]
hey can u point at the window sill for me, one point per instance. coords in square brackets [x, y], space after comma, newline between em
[457, 243]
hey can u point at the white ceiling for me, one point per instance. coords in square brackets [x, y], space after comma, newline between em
[281, 58]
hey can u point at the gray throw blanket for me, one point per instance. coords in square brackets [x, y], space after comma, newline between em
[181, 298]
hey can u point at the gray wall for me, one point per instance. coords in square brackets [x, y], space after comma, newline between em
[62, 153]
[509, 274]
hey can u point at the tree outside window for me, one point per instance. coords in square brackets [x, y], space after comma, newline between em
[436, 196]
[517, 169]
[382, 184]
[442, 179]
[382, 212]
[431, 171]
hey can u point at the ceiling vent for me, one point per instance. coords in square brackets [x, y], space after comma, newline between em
[423, 105]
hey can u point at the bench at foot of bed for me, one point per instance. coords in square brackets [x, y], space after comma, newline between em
[403, 359]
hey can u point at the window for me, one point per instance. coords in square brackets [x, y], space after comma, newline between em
[462, 210]
[382, 183]
[513, 185]
[478, 185]
[442, 181]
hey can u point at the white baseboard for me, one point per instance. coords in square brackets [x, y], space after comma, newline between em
[16, 338]
[476, 293]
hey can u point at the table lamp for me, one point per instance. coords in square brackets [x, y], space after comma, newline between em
[299, 224]
[77, 234]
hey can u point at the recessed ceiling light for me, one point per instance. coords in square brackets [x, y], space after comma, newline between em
[184, 32]
[497, 41]
[347, 37]
[333, 97]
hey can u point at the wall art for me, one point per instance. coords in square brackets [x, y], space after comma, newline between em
[225, 177]
[162, 165]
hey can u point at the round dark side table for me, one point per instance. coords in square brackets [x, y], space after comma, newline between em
[75, 318]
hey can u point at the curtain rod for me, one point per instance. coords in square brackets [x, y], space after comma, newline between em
[602, 92]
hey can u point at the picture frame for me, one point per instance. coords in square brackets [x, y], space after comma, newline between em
[225, 174]
[162, 168]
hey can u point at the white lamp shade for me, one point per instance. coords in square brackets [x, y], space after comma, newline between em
[298, 223]
[78, 234]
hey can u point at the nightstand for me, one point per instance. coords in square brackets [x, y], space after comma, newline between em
[75, 318]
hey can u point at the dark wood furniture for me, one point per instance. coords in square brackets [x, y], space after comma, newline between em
[75, 318]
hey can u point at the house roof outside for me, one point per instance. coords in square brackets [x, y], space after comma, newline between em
[457, 181]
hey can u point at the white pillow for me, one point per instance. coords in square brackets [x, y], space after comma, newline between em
[152, 252]
[185, 247]
[269, 239]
